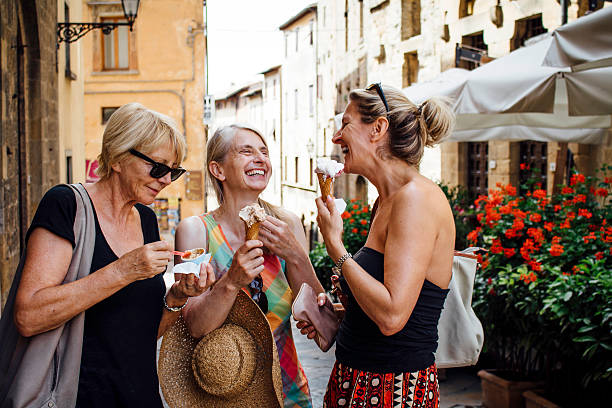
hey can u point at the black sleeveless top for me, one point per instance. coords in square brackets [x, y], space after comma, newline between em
[120, 335]
[360, 343]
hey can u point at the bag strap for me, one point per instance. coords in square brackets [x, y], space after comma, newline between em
[471, 256]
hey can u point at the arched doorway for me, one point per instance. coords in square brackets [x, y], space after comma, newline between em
[361, 189]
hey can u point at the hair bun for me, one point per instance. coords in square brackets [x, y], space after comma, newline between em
[439, 119]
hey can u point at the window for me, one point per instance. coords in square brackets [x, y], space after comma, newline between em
[411, 18]
[534, 155]
[295, 99]
[68, 69]
[274, 87]
[525, 29]
[311, 99]
[311, 180]
[311, 32]
[466, 8]
[472, 43]
[410, 69]
[297, 38]
[297, 165]
[286, 45]
[478, 169]
[346, 25]
[115, 46]
[360, 18]
[69, 167]
[107, 112]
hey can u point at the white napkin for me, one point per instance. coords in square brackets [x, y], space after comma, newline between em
[192, 266]
[340, 205]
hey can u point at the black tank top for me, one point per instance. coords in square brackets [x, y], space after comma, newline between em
[360, 343]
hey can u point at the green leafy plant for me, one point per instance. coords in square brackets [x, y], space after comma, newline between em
[463, 209]
[544, 292]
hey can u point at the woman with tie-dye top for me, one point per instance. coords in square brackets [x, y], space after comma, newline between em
[239, 166]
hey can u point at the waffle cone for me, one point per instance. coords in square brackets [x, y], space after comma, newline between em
[326, 184]
[252, 232]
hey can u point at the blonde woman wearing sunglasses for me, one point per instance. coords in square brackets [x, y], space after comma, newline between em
[123, 297]
[397, 283]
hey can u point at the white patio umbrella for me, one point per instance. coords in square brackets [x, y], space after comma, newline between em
[517, 98]
[585, 43]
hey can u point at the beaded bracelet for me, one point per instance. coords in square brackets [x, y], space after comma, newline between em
[174, 309]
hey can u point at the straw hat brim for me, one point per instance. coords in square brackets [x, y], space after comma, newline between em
[179, 385]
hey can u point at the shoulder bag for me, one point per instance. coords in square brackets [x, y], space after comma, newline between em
[460, 332]
[43, 370]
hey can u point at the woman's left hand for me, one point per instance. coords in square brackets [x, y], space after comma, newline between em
[189, 285]
[331, 227]
[277, 236]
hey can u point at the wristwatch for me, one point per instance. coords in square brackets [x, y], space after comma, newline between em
[337, 269]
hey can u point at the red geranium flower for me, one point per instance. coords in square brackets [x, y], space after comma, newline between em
[567, 190]
[535, 217]
[556, 250]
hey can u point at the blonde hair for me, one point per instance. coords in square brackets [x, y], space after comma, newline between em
[411, 127]
[133, 126]
[217, 148]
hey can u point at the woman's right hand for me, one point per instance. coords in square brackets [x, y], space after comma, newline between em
[248, 262]
[307, 329]
[144, 262]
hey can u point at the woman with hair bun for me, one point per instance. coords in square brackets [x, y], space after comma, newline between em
[397, 283]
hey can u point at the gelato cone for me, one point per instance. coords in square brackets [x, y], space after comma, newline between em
[252, 215]
[326, 183]
[327, 170]
[252, 232]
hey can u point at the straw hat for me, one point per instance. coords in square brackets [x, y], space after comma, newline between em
[234, 366]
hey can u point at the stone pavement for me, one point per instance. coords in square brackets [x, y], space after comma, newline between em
[460, 389]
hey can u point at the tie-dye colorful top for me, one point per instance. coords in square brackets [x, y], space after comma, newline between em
[295, 386]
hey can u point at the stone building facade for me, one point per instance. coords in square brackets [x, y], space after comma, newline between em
[159, 64]
[400, 42]
[29, 112]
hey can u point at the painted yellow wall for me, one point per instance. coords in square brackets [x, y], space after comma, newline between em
[166, 74]
[70, 101]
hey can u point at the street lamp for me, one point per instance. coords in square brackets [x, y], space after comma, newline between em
[310, 147]
[70, 32]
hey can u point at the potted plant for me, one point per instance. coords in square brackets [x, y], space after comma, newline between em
[543, 292]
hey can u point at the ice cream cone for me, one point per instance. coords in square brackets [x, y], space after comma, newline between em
[252, 232]
[326, 184]
[252, 215]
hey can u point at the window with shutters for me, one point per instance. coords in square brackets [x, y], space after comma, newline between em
[116, 46]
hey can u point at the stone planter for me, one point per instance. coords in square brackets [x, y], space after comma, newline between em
[535, 400]
[498, 392]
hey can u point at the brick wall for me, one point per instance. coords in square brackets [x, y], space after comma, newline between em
[29, 135]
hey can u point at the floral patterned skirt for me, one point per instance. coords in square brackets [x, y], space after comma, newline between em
[351, 388]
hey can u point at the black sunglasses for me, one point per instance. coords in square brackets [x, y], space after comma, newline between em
[159, 170]
[378, 87]
[258, 295]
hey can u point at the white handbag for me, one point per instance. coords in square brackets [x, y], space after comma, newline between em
[460, 333]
